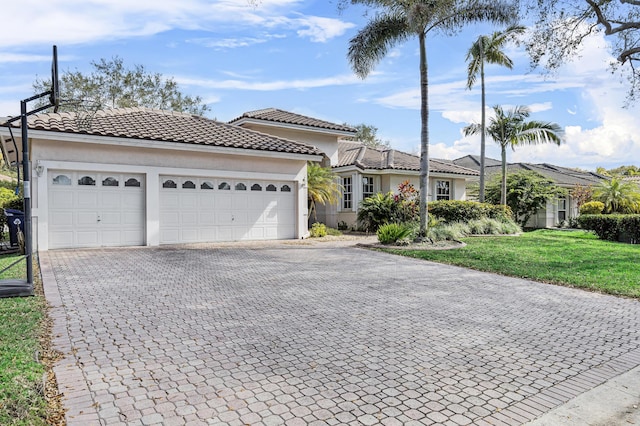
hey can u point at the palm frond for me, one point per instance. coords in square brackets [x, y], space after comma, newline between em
[372, 42]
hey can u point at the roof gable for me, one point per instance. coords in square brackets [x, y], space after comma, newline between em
[165, 126]
[279, 116]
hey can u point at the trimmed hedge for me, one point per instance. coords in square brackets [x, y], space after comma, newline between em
[613, 227]
[463, 211]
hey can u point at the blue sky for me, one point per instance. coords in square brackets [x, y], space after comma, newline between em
[291, 55]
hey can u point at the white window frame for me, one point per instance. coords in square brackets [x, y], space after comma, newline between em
[368, 182]
[562, 207]
[347, 193]
[442, 195]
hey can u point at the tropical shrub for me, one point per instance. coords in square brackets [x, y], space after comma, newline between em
[448, 231]
[527, 192]
[377, 210]
[592, 207]
[613, 227]
[392, 233]
[617, 196]
[8, 200]
[461, 211]
[318, 230]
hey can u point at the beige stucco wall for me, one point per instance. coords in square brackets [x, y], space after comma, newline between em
[325, 143]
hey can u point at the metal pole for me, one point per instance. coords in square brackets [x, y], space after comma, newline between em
[26, 174]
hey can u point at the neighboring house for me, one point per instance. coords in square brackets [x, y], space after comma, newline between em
[557, 210]
[138, 176]
[365, 171]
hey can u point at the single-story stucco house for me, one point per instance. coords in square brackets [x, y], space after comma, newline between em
[557, 210]
[138, 176]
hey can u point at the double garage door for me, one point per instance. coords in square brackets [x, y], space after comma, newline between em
[208, 209]
[88, 209]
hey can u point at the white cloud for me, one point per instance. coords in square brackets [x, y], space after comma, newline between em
[299, 84]
[76, 21]
[320, 29]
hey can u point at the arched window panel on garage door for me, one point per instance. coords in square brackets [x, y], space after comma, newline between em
[110, 181]
[240, 186]
[285, 188]
[256, 187]
[271, 188]
[188, 184]
[169, 184]
[224, 186]
[61, 180]
[206, 184]
[87, 181]
[132, 183]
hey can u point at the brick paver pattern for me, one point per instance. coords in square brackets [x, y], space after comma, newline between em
[327, 336]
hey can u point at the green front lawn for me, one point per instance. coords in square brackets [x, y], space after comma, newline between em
[574, 258]
[22, 400]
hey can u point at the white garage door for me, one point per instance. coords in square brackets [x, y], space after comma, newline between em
[88, 209]
[208, 209]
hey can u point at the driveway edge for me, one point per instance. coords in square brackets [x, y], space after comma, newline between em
[76, 398]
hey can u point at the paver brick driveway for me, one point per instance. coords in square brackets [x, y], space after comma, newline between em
[297, 335]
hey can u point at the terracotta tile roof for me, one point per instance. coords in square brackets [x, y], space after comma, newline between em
[357, 154]
[166, 126]
[285, 117]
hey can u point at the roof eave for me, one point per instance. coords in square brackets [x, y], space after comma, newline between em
[269, 123]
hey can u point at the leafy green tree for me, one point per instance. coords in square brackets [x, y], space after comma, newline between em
[560, 28]
[488, 50]
[112, 85]
[513, 129]
[322, 187]
[368, 135]
[619, 171]
[527, 192]
[395, 22]
[617, 196]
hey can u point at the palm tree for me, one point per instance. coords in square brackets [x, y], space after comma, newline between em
[617, 196]
[322, 187]
[488, 50]
[513, 129]
[398, 20]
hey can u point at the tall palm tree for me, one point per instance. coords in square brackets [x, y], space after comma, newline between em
[617, 196]
[488, 50]
[398, 20]
[513, 129]
[322, 187]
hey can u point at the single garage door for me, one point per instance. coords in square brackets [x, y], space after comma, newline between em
[216, 209]
[88, 209]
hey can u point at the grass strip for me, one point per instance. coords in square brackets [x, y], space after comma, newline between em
[573, 258]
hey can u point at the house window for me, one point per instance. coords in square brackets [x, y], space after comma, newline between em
[562, 209]
[443, 190]
[347, 193]
[367, 187]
